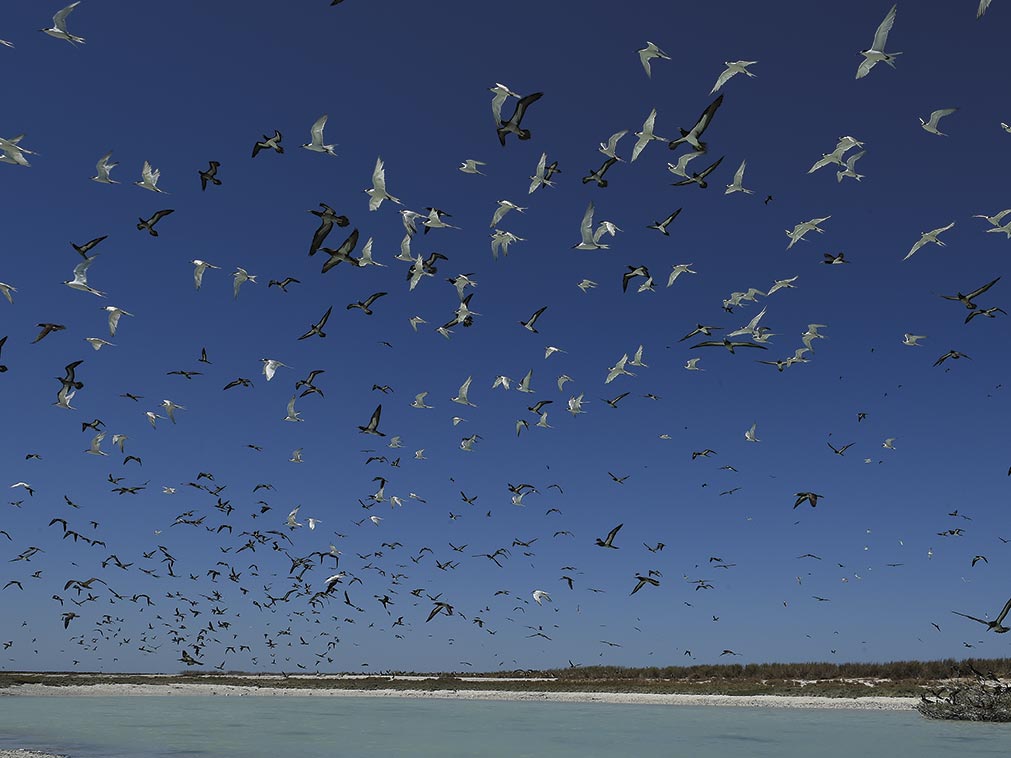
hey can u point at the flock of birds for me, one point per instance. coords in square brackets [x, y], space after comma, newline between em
[291, 568]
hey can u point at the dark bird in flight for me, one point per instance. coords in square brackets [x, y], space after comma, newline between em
[598, 175]
[150, 223]
[953, 354]
[661, 226]
[642, 581]
[366, 304]
[606, 542]
[47, 329]
[969, 300]
[373, 426]
[269, 143]
[327, 218]
[692, 135]
[728, 344]
[317, 328]
[700, 177]
[283, 284]
[810, 497]
[997, 624]
[210, 175]
[513, 124]
[83, 249]
[342, 253]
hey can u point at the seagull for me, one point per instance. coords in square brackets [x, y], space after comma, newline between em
[650, 52]
[470, 166]
[912, 340]
[607, 148]
[513, 124]
[926, 237]
[149, 224]
[661, 226]
[103, 167]
[646, 135]
[114, 314]
[373, 426]
[316, 138]
[149, 178]
[931, 125]
[80, 280]
[736, 185]
[876, 53]
[269, 143]
[501, 92]
[378, 192]
[240, 276]
[997, 625]
[732, 69]
[59, 27]
[210, 175]
[198, 271]
[850, 171]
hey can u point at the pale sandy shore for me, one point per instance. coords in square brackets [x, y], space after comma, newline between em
[749, 701]
[25, 754]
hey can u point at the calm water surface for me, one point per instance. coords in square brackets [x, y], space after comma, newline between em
[293, 727]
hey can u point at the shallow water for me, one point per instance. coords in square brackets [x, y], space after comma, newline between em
[251, 727]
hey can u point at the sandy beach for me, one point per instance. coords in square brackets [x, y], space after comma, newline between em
[186, 688]
[25, 754]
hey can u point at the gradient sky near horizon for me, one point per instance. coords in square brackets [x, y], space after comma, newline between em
[185, 83]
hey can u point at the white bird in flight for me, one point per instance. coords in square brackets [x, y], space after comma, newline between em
[876, 53]
[198, 271]
[736, 185]
[149, 178]
[316, 138]
[102, 168]
[377, 193]
[80, 280]
[646, 135]
[59, 27]
[114, 314]
[931, 124]
[926, 237]
[650, 52]
[732, 69]
[240, 277]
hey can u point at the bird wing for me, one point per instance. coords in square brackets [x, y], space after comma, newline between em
[723, 78]
[379, 176]
[739, 174]
[60, 19]
[981, 290]
[881, 35]
[521, 107]
[586, 225]
[939, 114]
[317, 130]
[1004, 611]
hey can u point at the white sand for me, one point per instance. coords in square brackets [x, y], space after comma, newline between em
[25, 754]
[769, 701]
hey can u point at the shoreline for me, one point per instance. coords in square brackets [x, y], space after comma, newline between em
[184, 689]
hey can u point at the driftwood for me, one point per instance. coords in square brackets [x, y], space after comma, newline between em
[981, 700]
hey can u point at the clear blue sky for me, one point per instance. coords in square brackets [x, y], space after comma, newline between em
[185, 83]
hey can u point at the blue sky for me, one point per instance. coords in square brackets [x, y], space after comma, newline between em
[187, 83]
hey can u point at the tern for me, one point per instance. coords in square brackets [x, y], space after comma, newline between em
[199, 267]
[419, 401]
[512, 126]
[103, 167]
[377, 193]
[504, 206]
[97, 342]
[541, 595]
[782, 284]
[501, 92]
[316, 138]
[926, 237]
[270, 367]
[500, 241]
[149, 178]
[732, 69]
[648, 53]
[646, 135]
[80, 280]
[292, 414]
[736, 185]
[618, 369]
[803, 228]
[96, 445]
[588, 236]
[692, 364]
[59, 27]
[751, 434]
[114, 315]
[6, 290]
[850, 169]
[470, 166]
[541, 176]
[931, 124]
[269, 143]
[876, 53]
[607, 148]
[171, 408]
[241, 276]
[913, 340]
[997, 625]
[461, 396]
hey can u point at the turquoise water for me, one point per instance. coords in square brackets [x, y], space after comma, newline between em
[338, 727]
